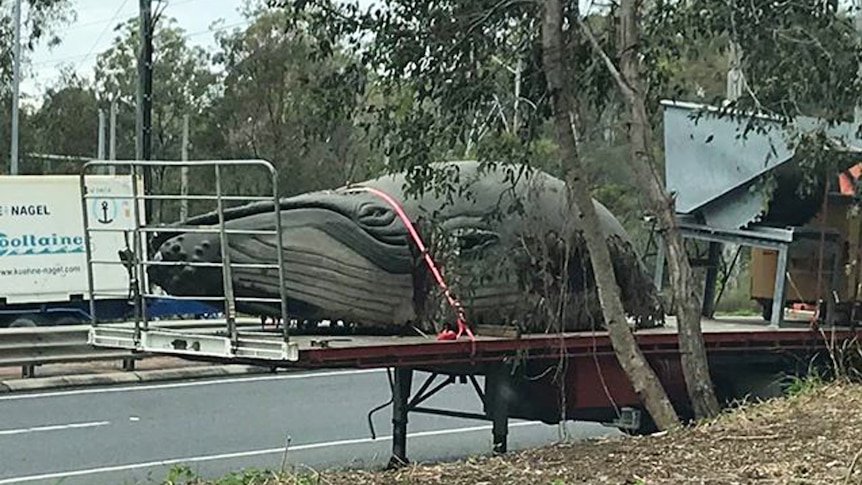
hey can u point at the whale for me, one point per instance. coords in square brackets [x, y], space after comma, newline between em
[504, 238]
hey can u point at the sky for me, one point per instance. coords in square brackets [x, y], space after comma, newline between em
[92, 33]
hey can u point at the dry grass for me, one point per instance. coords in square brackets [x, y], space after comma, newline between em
[814, 437]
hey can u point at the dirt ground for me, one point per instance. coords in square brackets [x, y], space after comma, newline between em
[813, 437]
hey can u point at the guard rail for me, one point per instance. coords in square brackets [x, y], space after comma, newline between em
[32, 347]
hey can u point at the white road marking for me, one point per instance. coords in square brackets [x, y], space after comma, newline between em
[244, 454]
[179, 385]
[134, 419]
[53, 427]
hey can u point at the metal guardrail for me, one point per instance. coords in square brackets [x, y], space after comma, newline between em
[31, 347]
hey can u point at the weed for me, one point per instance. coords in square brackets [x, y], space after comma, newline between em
[802, 385]
[180, 474]
[247, 477]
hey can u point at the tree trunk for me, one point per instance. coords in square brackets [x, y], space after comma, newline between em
[686, 295]
[631, 359]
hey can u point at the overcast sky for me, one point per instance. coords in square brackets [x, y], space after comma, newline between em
[92, 33]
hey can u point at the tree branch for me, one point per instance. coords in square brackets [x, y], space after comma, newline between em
[623, 84]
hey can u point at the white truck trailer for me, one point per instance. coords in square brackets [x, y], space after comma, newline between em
[43, 265]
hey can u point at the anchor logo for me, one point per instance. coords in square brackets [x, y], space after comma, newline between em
[105, 219]
[105, 211]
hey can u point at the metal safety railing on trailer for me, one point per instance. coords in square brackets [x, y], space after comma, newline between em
[141, 231]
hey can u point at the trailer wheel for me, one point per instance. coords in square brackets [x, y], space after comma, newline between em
[25, 321]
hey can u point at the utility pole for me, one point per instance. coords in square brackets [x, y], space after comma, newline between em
[184, 174]
[100, 150]
[735, 78]
[16, 85]
[145, 97]
[112, 136]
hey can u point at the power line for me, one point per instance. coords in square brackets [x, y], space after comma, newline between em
[81, 57]
[102, 34]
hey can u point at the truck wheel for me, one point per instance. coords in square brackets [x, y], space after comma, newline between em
[22, 322]
[66, 320]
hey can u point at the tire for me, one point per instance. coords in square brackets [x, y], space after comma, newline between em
[65, 320]
[24, 322]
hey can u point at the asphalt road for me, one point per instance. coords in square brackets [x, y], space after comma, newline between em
[136, 434]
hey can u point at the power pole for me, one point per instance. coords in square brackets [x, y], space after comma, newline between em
[145, 97]
[184, 174]
[16, 83]
[112, 136]
[100, 150]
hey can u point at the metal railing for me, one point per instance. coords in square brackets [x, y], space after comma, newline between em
[142, 230]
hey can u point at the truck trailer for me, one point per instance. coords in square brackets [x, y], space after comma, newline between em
[43, 266]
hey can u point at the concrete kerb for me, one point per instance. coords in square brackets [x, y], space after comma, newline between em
[113, 378]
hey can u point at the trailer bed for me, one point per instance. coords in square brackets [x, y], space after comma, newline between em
[270, 349]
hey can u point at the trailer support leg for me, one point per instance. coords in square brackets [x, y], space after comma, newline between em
[28, 371]
[129, 364]
[713, 260]
[401, 388]
[497, 406]
[780, 282]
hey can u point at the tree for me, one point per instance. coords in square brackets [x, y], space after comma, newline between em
[291, 100]
[182, 83]
[629, 80]
[66, 123]
[642, 377]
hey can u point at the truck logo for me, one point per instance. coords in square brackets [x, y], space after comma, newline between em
[104, 217]
[32, 244]
[25, 210]
[105, 210]
[29, 210]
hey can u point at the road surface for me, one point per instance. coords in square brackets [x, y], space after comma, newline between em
[136, 434]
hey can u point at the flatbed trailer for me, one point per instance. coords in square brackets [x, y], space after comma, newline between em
[551, 377]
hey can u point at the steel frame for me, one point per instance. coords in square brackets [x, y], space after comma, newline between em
[404, 402]
[147, 338]
[762, 237]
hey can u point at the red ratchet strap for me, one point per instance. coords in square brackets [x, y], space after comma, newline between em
[454, 303]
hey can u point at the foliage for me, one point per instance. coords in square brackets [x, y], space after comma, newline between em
[810, 382]
[798, 57]
[43, 18]
[291, 99]
[67, 120]
[182, 84]
[40, 21]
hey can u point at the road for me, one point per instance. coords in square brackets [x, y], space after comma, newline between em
[136, 434]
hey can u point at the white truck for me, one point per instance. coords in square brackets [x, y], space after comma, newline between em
[43, 265]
